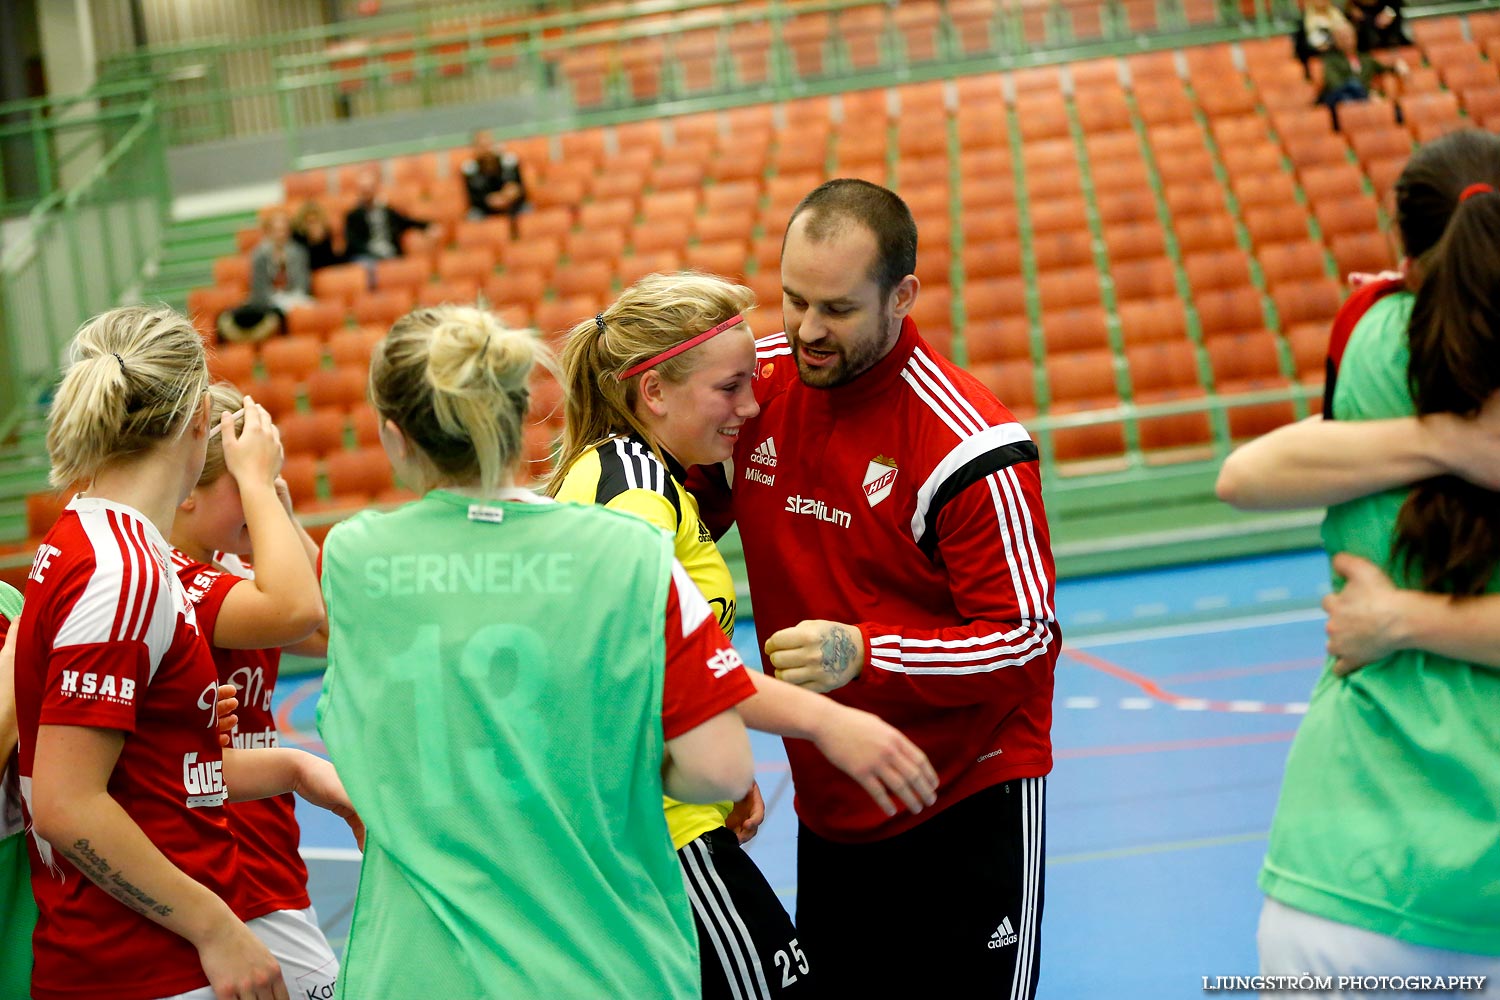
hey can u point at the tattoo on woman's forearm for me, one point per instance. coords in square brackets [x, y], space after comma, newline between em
[838, 653]
[98, 870]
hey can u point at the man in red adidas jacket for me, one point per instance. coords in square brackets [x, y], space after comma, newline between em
[899, 560]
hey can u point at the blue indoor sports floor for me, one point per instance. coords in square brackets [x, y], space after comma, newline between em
[1177, 696]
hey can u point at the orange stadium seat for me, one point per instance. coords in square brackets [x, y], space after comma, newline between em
[410, 273]
[1363, 252]
[1241, 356]
[1002, 339]
[1163, 364]
[991, 259]
[340, 388]
[517, 286]
[1214, 270]
[1264, 190]
[1213, 231]
[459, 291]
[474, 264]
[382, 308]
[357, 477]
[1065, 289]
[316, 319]
[995, 297]
[1083, 329]
[1233, 310]
[631, 269]
[277, 395]
[668, 234]
[1276, 224]
[533, 255]
[1299, 261]
[594, 278]
[1146, 278]
[1306, 301]
[1145, 321]
[232, 363]
[316, 433]
[1134, 241]
[351, 348]
[1344, 216]
[294, 355]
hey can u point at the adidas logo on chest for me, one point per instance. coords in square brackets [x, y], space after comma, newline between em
[765, 453]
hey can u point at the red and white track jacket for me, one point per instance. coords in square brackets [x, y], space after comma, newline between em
[908, 503]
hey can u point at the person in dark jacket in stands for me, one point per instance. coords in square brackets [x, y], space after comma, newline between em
[494, 181]
[373, 229]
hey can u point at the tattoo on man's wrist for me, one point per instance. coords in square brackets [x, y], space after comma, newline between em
[839, 652]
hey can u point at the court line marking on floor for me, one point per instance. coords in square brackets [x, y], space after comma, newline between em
[1155, 692]
[1144, 850]
[1170, 746]
[1155, 632]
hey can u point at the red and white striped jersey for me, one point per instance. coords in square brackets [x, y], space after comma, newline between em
[906, 502]
[272, 873]
[110, 641]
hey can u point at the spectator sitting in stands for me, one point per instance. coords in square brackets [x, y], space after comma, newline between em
[311, 230]
[373, 229]
[1379, 22]
[1314, 34]
[1348, 74]
[494, 181]
[279, 280]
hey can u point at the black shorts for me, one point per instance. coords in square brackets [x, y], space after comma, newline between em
[955, 902]
[748, 948]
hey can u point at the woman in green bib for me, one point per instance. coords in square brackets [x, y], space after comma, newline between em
[512, 684]
[1383, 857]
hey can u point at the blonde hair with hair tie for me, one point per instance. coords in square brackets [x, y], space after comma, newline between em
[135, 377]
[651, 316]
[454, 380]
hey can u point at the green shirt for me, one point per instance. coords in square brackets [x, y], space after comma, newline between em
[493, 704]
[1389, 817]
[17, 904]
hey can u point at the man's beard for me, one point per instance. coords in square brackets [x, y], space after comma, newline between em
[850, 364]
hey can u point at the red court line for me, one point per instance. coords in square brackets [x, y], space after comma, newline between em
[289, 732]
[1208, 743]
[1156, 691]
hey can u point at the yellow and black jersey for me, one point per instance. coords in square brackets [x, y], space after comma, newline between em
[623, 474]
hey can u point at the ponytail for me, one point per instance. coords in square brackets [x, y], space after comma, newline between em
[134, 378]
[1448, 530]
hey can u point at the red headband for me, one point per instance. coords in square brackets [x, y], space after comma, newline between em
[686, 345]
[1473, 189]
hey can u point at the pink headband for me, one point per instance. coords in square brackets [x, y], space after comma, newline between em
[1473, 189]
[686, 345]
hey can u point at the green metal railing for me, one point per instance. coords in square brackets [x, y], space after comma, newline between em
[226, 88]
[465, 52]
[85, 249]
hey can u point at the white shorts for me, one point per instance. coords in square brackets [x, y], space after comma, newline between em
[308, 965]
[1294, 942]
